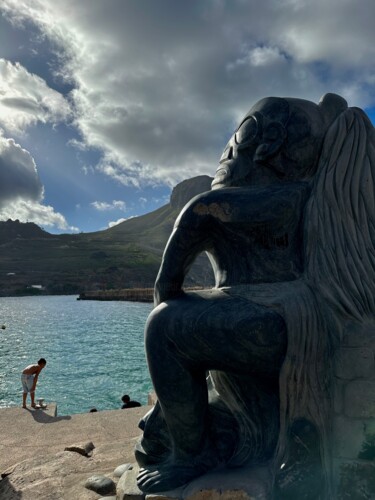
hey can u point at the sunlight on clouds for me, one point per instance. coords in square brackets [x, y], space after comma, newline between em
[103, 206]
[259, 56]
[157, 95]
[21, 191]
[26, 99]
[118, 173]
[43, 215]
[262, 56]
[118, 221]
[18, 173]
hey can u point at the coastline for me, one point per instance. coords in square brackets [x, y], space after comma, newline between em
[122, 294]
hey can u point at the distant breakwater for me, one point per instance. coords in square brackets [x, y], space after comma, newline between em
[129, 294]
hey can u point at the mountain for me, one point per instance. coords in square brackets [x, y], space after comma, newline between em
[11, 230]
[128, 255]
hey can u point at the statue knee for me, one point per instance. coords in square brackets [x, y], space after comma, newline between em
[158, 328]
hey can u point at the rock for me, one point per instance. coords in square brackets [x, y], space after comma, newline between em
[50, 476]
[127, 488]
[163, 496]
[354, 362]
[119, 471]
[101, 484]
[356, 480]
[209, 494]
[247, 483]
[221, 495]
[7, 472]
[243, 483]
[186, 190]
[83, 449]
[349, 436]
[359, 399]
[152, 398]
[62, 475]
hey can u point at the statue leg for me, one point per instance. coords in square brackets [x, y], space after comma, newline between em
[185, 338]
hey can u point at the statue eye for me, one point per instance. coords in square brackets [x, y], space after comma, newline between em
[247, 132]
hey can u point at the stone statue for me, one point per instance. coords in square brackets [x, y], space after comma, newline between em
[289, 229]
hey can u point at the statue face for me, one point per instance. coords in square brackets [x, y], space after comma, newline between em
[243, 162]
[278, 140]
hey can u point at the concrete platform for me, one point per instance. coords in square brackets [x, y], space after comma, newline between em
[26, 433]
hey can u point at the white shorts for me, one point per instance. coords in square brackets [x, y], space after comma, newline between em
[27, 382]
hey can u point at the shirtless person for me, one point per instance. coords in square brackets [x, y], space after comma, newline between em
[29, 379]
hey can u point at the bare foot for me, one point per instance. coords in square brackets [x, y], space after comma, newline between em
[24, 406]
[33, 406]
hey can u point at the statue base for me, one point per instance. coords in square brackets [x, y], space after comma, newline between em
[245, 483]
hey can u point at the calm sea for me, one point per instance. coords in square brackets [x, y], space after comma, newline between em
[94, 351]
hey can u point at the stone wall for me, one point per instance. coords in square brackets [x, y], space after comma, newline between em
[354, 412]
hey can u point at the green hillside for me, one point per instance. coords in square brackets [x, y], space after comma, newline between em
[128, 255]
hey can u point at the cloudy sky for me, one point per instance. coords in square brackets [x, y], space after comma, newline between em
[106, 104]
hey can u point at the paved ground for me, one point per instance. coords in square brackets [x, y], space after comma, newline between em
[35, 465]
[26, 433]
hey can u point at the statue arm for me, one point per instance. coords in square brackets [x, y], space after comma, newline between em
[206, 218]
[184, 245]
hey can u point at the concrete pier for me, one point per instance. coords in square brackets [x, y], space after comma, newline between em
[33, 462]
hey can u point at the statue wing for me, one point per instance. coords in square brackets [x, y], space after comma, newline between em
[340, 217]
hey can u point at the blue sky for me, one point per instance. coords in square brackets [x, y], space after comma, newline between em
[106, 104]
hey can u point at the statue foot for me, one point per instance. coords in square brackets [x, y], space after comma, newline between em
[165, 477]
[171, 474]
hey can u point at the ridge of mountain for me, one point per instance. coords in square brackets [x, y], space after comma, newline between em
[10, 230]
[128, 255]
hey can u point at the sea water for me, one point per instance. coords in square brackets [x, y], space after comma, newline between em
[94, 351]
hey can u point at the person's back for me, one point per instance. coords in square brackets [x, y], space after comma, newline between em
[31, 369]
[128, 403]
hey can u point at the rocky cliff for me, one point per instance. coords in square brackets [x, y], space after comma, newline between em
[10, 230]
[186, 190]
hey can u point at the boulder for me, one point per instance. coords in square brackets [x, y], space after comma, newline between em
[119, 471]
[102, 485]
[84, 449]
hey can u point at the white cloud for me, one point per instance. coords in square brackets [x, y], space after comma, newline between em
[25, 99]
[118, 221]
[103, 206]
[259, 56]
[21, 191]
[263, 56]
[159, 86]
[18, 174]
[43, 215]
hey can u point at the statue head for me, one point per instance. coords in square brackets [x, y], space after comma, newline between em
[279, 139]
